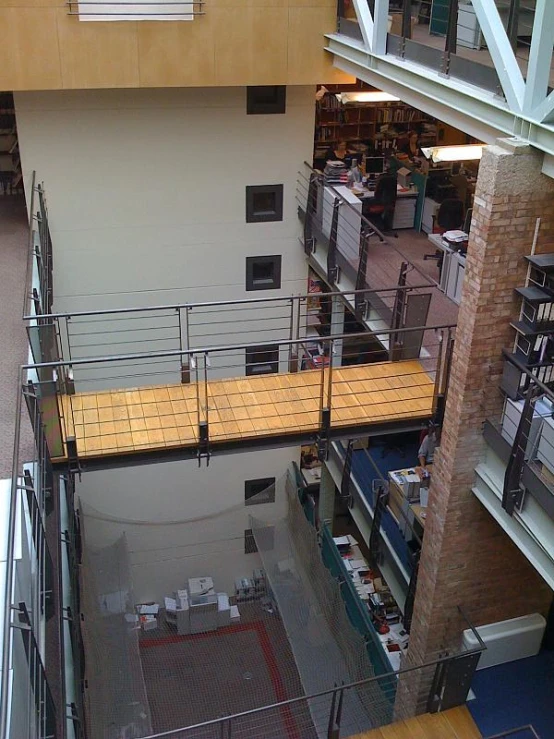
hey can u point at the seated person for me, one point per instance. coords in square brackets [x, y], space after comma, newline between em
[426, 451]
[308, 460]
[459, 180]
[411, 148]
[338, 153]
[385, 195]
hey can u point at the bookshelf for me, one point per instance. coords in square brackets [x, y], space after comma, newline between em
[379, 125]
[11, 179]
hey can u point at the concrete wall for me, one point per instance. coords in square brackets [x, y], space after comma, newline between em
[180, 520]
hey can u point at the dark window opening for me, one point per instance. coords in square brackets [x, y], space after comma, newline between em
[259, 491]
[264, 203]
[266, 99]
[263, 273]
[262, 360]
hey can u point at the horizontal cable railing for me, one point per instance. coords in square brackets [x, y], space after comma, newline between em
[526, 427]
[39, 272]
[353, 248]
[32, 637]
[196, 397]
[87, 334]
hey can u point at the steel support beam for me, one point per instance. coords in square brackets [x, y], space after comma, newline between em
[537, 99]
[501, 52]
[380, 27]
[366, 22]
[479, 113]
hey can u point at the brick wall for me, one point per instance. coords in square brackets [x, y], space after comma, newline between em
[467, 559]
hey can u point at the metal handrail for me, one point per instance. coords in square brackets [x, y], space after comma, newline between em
[365, 221]
[230, 347]
[30, 248]
[224, 303]
[10, 556]
[528, 372]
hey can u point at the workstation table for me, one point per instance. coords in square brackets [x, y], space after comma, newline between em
[410, 515]
[405, 208]
[311, 477]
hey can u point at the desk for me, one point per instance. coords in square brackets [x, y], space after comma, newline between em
[404, 511]
[312, 477]
[453, 268]
[405, 208]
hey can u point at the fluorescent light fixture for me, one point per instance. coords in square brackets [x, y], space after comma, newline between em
[454, 153]
[372, 96]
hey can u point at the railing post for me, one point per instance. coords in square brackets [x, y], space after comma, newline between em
[332, 269]
[293, 348]
[325, 406]
[406, 20]
[512, 494]
[347, 471]
[184, 344]
[360, 303]
[451, 35]
[311, 208]
[203, 419]
[513, 20]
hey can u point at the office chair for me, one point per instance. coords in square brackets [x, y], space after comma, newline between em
[467, 221]
[384, 201]
[450, 217]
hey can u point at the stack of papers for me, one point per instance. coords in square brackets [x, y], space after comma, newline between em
[148, 609]
[455, 236]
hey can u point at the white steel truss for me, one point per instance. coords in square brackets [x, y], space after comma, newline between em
[526, 112]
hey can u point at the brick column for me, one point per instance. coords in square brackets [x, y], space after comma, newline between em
[467, 559]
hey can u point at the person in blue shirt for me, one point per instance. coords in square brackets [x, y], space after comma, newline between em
[426, 451]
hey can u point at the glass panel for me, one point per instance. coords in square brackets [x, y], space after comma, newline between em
[44, 348]
[50, 415]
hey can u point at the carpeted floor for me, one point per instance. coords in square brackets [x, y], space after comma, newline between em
[515, 694]
[191, 679]
[14, 240]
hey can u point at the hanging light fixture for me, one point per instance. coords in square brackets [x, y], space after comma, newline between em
[371, 96]
[453, 153]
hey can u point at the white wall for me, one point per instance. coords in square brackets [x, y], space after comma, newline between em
[155, 503]
[146, 190]
[146, 199]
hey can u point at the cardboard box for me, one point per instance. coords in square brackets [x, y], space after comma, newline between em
[395, 23]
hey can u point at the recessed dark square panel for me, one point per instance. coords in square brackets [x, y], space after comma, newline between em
[262, 360]
[266, 100]
[263, 273]
[259, 491]
[264, 203]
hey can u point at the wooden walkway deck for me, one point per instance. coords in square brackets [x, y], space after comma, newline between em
[456, 723]
[158, 418]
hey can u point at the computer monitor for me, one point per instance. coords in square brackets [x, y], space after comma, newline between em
[374, 165]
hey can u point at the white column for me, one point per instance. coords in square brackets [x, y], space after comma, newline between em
[540, 58]
[380, 27]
